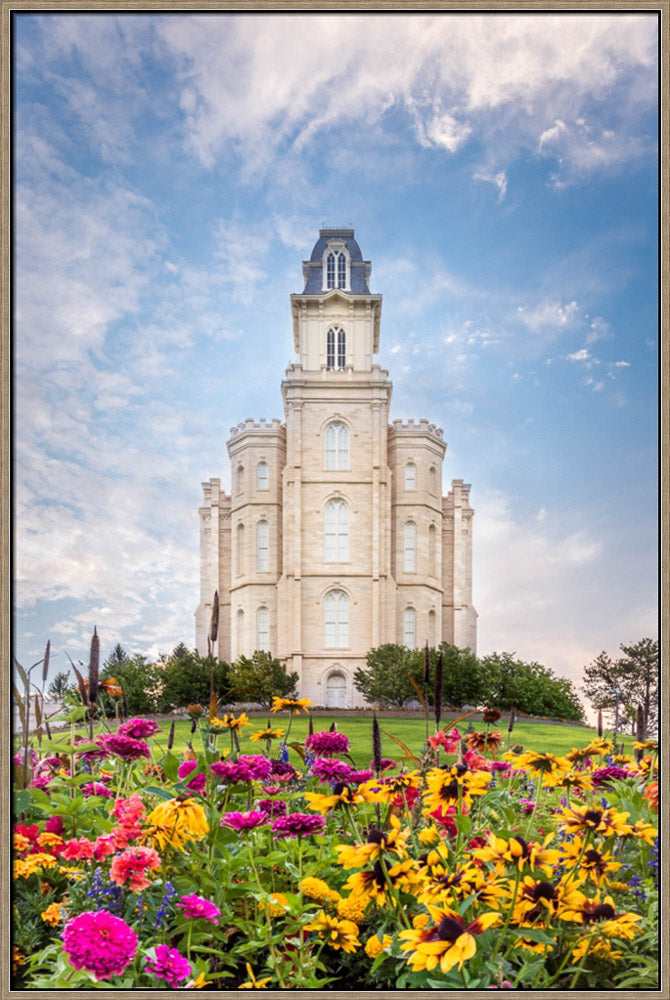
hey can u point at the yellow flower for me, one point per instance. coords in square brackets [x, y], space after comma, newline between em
[605, 821]
[48, 839]
[520, 852]
[379, 842]
[374, 947]
[447, 942]
[52, 914]
[336, 932]
[252, 983]
[645, 831]
[598, 948]
[317, 889]
[293, 704]
[21, 843]
[33, 863]
[18, 958]
[324, 803]
[351, 908]
[277, 904]
[447, 788]
[176, 822]
[230, 722]
[551, 768]
[593, 863]
[199, 983]
[429, 836]
[266, 734]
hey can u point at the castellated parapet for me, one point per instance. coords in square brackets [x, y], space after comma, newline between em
[416, 427]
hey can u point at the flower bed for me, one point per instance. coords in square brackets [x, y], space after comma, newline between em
[224, 864]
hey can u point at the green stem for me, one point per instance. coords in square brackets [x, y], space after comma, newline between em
[503, 933]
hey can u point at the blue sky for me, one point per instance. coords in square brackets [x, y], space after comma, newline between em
[171, 172]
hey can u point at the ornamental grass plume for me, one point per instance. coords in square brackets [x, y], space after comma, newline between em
[376, 746]
[94, 668]
[100, 943]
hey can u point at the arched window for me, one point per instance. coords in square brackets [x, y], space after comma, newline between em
[432, 638]
[409, 637]
[239, 549]
[432, 549]
[336, 531]
[239, 479]
[336, 619]
[410, 476]
[263, 629]
[262, 476]
[262, 547]
[336, 269]
[336, 442]
[336, 349]
[336, 690]
[433, 481]
[409, 560]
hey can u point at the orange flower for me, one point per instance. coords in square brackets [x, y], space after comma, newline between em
[651, 795]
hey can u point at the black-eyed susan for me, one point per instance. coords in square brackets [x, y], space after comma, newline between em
[538, 901]
[374, 884]
[446, 942]
[645, 831]
[603, 914]
[597, 947]
[520, 852]
[547, 766]
[268, 734]
[588, 862]
[456, 784]
[608, 822]
[296, 705]
[252, 983]
[390, 841]
[336, 932]
[486, 742]
[232, 722]
[342, 795]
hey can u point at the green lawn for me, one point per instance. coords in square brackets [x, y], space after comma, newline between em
[541, 736]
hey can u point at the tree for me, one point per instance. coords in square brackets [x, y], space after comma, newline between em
[530, 687]
[185, 677]
[60, 686]
[259, 679]
[464, 680]
[385, 678]
[140, 680]
[631, 680]
[117, 655]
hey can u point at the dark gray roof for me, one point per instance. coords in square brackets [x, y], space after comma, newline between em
[360, 269]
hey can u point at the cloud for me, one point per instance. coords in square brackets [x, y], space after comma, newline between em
[499, 180]
[549, 315]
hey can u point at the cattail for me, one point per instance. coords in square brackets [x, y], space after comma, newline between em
[45, 667]
[94, 668]
[170, 739]
[426, 666]
[512, 718]
[214, 622]
[437, 692]
[124, 704]
[640, 730]
[333, 727]
[212, 704]
[310, 727]
[376, 746]
[600, 722]
[194, 725]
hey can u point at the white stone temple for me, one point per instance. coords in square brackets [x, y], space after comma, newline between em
[336, 537]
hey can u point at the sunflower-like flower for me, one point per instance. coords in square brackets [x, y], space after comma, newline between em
[296, 705]
[539, 901]
[336, 932]
[520, 852]
[176, 823]
[547, 765]
[593, 864]
[342, 795]
[252, 983]
[597, 947]
[651, 795]
[484, 742]
[266, 734]
[579, 781]
[392, 841]
[574, 819]
[446, 786]
[229, 721]
[645, 831]
[443, 887]
[603, 914]
[447, 942]
[373, 884]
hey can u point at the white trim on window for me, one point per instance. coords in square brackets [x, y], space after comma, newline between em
[263, 547]
[409, 632]
[336, 446]
[409, 553]
[336, 619]
[336, 531]
[263, 629]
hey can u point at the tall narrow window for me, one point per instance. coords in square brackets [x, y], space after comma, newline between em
[262, 476]
[432, 638]
[239, 479]
[262, 547]
[239, 621]
[432, 549]
[330, 270]
[433, 481]
[410, 628]
[336, 450]
[336, 619]
[341, 350]
[409, 562]
[330, 350]
[239, 549]
[263, 629]
[336, 531]
[336, 269]
[410, 476]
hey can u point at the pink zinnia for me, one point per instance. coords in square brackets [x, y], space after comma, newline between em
[97, 788]
[100, 943]
[169, 965]
[198, 906]
[133, 865]
[298, 825]
[332, 770]
[246, 768]
[245, 821]
[198, 781]
[136, 728]
[326, 744]
[124, 746]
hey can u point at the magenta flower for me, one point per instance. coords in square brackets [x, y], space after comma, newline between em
[198, 782]
[100, 943]
[273, 807]
[198, 906]
[603, 775]
[298, 825]
[246, 768]
[245, 821]
[326, 744]
[97, 788]
[124, 746]
[332, 770]
[358, 777]
[169, 965]
[137, 728]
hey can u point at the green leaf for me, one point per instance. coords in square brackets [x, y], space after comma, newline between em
[161, 793]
